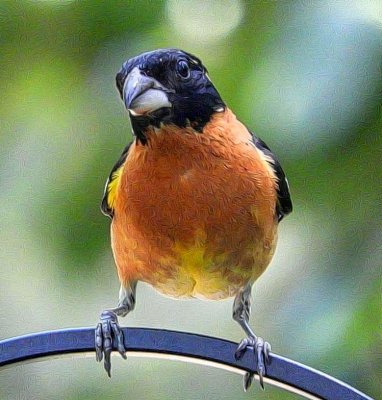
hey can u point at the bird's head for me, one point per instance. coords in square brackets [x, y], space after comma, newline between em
[167, 86]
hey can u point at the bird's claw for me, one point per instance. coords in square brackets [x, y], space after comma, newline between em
[106, 329]
[261, 351]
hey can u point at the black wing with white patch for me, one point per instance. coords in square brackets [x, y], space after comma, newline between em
[284, 203]
[109, 193]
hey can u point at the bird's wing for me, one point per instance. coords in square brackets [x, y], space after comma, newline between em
[108, 198]
[284, 201]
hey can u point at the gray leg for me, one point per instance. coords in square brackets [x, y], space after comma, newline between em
[108, 327]
[261, 349]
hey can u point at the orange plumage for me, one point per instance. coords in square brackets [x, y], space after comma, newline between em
[206, 199]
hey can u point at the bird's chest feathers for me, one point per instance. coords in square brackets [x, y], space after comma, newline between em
[201, 206]
[182, 177]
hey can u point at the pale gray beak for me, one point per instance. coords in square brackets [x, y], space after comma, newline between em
[143, 94]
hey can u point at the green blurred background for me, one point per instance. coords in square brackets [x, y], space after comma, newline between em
[304, 75]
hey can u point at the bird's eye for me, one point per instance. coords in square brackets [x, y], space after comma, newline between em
[182, 69]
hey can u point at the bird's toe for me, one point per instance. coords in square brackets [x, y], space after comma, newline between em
[261, 351]
[107, 329]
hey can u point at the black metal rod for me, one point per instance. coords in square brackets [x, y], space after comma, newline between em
[281, 372]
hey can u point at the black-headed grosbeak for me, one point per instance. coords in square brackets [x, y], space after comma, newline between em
[195, 199]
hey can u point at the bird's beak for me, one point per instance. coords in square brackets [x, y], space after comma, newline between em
[143, 94]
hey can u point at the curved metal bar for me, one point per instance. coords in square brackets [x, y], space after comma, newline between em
[281, 372]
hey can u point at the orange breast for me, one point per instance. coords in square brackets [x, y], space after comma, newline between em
[195, 212]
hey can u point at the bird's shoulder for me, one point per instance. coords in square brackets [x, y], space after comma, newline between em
[284, 201]
[110, 191]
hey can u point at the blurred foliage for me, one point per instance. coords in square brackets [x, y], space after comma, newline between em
[305, 76]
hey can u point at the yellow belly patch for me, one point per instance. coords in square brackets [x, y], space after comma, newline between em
[195, 272]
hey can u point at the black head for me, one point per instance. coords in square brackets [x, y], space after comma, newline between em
[167, 86]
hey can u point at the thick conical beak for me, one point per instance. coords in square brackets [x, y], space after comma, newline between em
[143, 94]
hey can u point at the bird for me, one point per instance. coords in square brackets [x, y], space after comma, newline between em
[195, 199]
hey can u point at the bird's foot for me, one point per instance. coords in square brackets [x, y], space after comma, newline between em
[107, 329]
[261, 350]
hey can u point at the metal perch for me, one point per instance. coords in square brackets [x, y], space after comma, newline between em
[281, 372]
